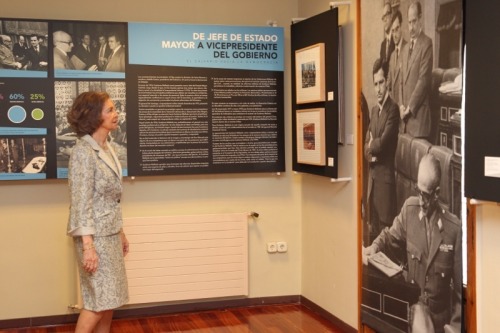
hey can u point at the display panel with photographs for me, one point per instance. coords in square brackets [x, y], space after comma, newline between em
[184, 120]
[316, 89]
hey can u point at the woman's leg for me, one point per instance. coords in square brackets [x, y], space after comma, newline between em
[87, 320]
[104, 324]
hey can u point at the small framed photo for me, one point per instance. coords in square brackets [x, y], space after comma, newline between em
[457, 145]
[311, 136]
[444, 113]
[310, 74]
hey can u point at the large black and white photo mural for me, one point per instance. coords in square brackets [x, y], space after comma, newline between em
[411, 93]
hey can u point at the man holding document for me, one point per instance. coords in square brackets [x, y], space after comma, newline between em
[63, 45]
[431, 237]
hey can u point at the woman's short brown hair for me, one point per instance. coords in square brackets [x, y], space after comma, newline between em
[85, 113]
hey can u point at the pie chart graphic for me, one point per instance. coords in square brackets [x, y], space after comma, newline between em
[16, 114]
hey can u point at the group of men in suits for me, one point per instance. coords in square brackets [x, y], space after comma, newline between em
[406, 68]
[109, 55]
[23, 56]
[427, 234]
[412, 74]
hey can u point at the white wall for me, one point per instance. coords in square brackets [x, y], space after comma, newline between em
[488, 267]
[37, 271]
[329, 227]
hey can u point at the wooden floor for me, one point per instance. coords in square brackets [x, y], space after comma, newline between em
[290, 318]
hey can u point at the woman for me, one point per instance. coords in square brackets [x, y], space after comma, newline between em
[95, 221]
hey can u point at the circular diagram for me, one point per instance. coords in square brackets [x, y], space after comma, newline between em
[37, 114]
[16, 114]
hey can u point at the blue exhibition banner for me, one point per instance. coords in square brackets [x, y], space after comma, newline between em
[206, 46]
[82, 74]
[22, 131]
[22, 176]
[62, 173]
[22, 73]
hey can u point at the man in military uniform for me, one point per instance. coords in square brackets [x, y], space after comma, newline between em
[7, 59]
[432, 239]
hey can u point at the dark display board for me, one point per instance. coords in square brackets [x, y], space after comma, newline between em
[315, 94]
[482, 100]
[192, 99]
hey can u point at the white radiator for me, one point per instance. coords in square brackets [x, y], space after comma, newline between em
[187, 257]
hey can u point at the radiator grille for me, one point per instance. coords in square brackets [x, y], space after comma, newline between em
[187, 257]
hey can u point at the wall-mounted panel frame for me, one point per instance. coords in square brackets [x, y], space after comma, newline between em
[315, 54]
[193, 99]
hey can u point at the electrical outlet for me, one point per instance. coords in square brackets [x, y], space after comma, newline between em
[271, 247]
[282, 246]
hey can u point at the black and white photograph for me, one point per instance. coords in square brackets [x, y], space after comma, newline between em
[22, 155]
[309, 74]
[23, 48]
[65, 93]
[84, 49]
[412, 199]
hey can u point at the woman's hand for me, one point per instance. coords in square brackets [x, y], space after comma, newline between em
[90, 259]
[125, 244]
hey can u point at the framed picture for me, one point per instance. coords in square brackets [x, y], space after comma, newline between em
[310, 74]
[311, 136]
[444, 113]
[457, 145]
